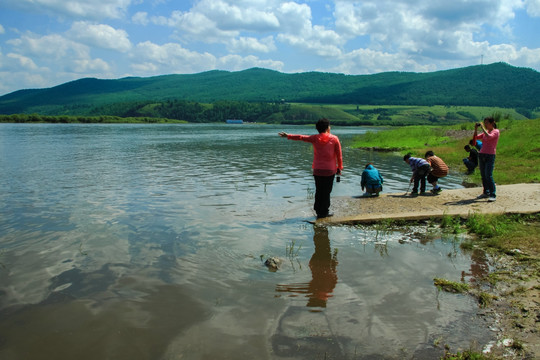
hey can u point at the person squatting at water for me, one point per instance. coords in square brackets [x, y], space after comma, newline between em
[327, 162]
[486, 157]
[438, 170]
[420, 168]
[471, 162]
[371, 180]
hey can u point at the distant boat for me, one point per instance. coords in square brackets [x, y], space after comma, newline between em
[234, 121]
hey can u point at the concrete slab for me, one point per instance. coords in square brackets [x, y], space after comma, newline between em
[511, 199]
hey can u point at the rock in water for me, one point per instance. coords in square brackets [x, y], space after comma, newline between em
[273, 263]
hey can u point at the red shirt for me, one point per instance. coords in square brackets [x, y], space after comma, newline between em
[327, 157]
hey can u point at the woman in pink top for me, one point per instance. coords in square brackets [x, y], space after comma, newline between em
[327, 162]
[486, 156]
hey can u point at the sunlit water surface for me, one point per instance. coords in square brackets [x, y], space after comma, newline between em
[148, 241]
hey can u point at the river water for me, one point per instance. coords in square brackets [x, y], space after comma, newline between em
[148, 241]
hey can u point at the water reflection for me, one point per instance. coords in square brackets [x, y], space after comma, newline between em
[323, 266]
[479, 266]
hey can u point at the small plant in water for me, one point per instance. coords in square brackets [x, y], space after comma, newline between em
[292, 250]
[450, 286]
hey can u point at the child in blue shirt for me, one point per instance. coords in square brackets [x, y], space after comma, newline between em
[371, 180]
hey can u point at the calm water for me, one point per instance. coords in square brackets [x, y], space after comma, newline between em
[145, 242]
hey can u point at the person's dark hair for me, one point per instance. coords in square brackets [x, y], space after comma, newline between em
[429, 153]
[491, 120]
[407, 157]
[467, 147]
[322, 125]
[368, 164]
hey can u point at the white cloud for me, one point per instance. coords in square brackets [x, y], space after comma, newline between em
[49, 47]
[88, 66]
[140, 18]
[366, 61]
[533, 7]
[232, 16]
[2, 31]
[153, 59]
[99, 36]
[20, 62]
[247, 44]
[88, 9]
[236, 63]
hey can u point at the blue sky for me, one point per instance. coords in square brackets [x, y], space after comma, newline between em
[45, 43]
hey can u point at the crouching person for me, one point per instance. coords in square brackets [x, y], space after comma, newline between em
[438, 170]
[420, 169]
[371, 180]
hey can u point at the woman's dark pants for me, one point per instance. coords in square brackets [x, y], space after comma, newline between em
[486, 164]
[323, 188]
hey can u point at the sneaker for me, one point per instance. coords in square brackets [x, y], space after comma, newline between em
[492, 199]
[325, 216]
[414, 193]
[483, 196]
[436, 191]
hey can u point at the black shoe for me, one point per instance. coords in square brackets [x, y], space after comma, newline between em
[325, 216]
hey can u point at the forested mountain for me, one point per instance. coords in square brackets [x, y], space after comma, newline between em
[497, 84]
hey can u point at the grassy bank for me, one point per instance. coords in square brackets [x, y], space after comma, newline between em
[518, 150]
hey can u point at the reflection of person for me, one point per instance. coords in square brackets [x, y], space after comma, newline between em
[486, 157]
[371, 180]
[327, 161]
[323, 266]
[471, 162]
[420, 169]
[438, 170]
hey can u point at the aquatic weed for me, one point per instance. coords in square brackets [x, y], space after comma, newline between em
[450, 286]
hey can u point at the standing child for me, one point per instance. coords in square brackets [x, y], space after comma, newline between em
[438, 170]
[420, 169]
[371, 180]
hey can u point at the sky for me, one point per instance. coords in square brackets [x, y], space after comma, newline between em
[45, 43]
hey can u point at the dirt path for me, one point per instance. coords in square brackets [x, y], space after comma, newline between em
[515, 199]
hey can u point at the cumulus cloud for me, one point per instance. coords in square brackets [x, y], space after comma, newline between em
[140, 18]
[533, 7]
[248, 44]
[100, 36]
[153, 59]
[2, 31]
[49, 47]
[95, 9]
[236, 63]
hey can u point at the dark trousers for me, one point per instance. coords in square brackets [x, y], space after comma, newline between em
[469, 164]
[420, 178]
[486, 164]
[323, 188]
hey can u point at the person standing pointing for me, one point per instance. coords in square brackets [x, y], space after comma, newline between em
[327, 162]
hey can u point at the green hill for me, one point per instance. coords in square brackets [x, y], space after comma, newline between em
[492, 85]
